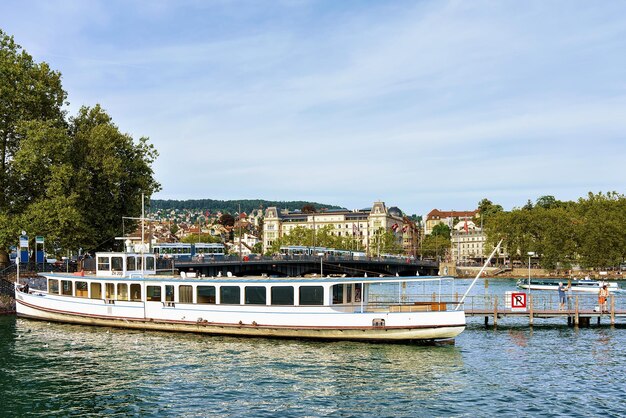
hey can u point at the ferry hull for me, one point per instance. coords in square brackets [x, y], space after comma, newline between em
[423, 332]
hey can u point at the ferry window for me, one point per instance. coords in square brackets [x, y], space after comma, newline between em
[185, 294]
[67, 288]
[103, 263]
[349, 293]
[122, 291]
[255, 295]
[135, 291]
[81, 289]
[206, 294]
[282, 295]
[230, 295]
[337, 293]
[117, 264]
[96, 291]
[169, 293]
[149, 263]
[139, 263]
[109, 290]
[53, 286]
[311, 295]
[153, 293]
[130, 263]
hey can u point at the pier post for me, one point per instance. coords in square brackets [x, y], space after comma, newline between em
[576, 312]
[612, 309]
[495, 311]
[530, 305]
[486, 321]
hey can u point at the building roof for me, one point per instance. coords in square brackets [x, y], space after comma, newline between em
[439, 214]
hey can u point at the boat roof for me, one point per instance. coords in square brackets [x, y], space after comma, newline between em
[254, 279]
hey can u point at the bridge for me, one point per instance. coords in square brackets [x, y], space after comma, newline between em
[295, 266]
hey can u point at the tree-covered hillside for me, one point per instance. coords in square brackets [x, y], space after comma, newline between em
[232, 206]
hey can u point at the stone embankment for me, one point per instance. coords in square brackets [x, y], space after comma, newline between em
[449, 269]
[7, 305]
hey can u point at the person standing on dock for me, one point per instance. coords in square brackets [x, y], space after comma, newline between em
[603, 295]
[561, 290]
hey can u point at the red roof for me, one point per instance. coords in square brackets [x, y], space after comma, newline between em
[439, 214]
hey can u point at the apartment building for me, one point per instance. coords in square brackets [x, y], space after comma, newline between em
[359, 224]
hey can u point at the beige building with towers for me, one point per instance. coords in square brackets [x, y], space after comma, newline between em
[360, 224]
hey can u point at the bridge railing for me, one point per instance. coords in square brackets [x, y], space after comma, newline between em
[307, 258]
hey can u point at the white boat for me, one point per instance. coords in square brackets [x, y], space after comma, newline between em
[589, 286]
[126, 292]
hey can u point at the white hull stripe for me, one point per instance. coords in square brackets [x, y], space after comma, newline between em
[220, 324]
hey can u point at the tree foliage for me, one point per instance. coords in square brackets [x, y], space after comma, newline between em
[589, 232]
[442, 230]
[321, 237]
[70, 180]
[233, 206]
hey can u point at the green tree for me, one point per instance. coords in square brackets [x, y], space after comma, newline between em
[384, 242]
[435, 246]
[442, 230]
[29, 91]
[227, 220]
[547, 202]
[202, 237]
[71, 181]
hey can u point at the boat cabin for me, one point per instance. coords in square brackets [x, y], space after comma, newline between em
[125, 264]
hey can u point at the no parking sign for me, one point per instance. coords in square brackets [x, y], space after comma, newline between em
[518, 301]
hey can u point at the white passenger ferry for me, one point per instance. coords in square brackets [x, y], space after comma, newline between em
[126, 292]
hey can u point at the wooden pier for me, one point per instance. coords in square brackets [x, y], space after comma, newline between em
[579, 310]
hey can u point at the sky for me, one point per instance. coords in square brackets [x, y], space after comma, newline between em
[420, 104]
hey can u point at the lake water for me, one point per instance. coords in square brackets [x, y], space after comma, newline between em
[68, 370]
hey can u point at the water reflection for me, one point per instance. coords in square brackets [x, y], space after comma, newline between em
[119, 371]
[54, 369]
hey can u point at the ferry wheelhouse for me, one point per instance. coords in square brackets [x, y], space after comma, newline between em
[126, 292]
